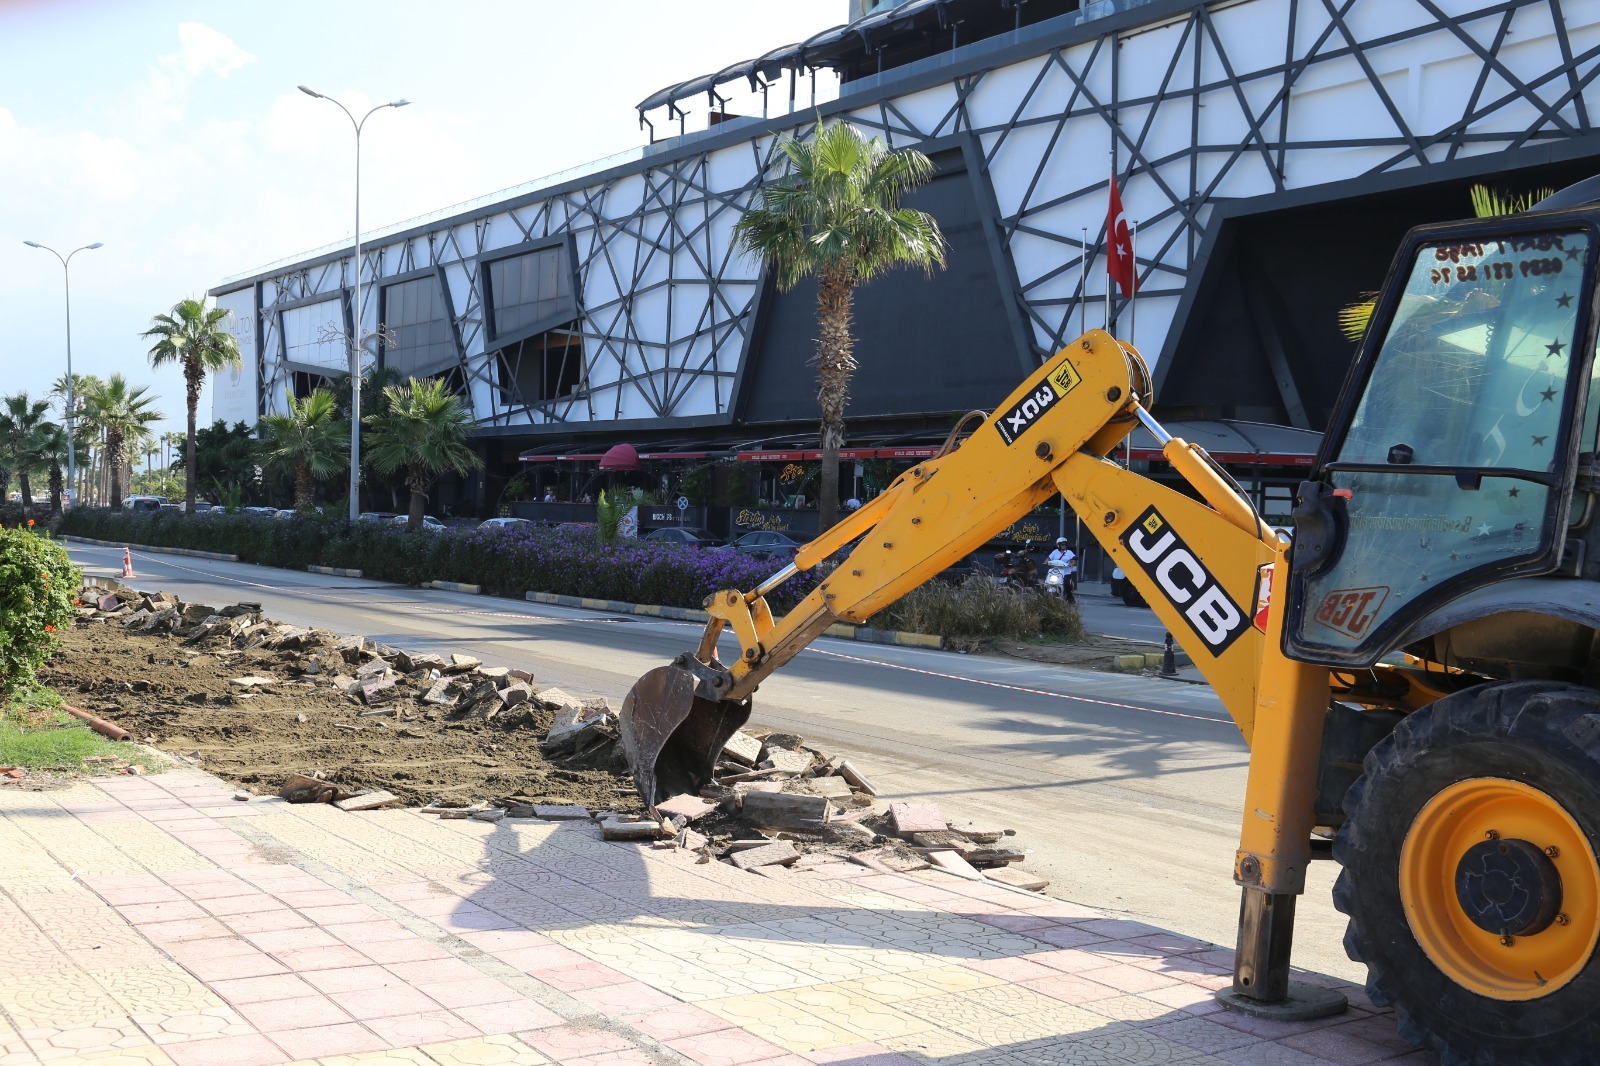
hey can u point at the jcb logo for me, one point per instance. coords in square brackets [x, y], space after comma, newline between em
[1351, 611]
[1013, 423]
[1186, 584]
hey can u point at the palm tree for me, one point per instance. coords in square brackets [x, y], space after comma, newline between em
[84, 435]
[50, 444]
[123, 414]
[311, 440]
[192, 335]
[20, 418]
[837, 216]
[421, 428]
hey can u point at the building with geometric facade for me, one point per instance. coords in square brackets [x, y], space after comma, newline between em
[1272, 151]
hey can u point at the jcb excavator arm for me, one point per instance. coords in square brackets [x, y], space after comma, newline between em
[1200, 565]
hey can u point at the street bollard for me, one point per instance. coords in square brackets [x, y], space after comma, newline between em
[1169, 662]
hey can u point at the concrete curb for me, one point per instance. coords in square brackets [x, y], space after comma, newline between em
[148, 548]
[335, 571]
[455, 586]
[1150, 660]
[685, 614]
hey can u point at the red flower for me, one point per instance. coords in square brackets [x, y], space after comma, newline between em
[30, 523]
[49, 629]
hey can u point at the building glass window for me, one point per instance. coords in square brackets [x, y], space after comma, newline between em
[547, 366]
[418, 338]
[526, 290]
[313, 336]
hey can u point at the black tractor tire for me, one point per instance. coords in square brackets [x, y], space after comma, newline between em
[1541, 733]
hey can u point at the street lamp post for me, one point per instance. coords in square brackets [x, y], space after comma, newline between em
[71, 411]
[355, 339]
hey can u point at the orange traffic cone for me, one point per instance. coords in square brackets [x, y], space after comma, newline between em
[127, 563]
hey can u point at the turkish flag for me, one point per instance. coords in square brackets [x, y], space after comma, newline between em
[1119, 244]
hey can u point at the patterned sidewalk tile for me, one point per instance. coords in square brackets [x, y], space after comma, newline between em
[409, 941]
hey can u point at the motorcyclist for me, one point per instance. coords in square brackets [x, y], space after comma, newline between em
[1067, 560]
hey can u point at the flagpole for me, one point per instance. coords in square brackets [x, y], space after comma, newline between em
[1133, 297]
[1083, 302]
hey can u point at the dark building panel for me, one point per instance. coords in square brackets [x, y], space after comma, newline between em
[925, 344]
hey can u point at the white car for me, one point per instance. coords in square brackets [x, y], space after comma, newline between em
[428, 521]
[506, 523]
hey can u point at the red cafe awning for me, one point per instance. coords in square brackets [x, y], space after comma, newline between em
[620, 457]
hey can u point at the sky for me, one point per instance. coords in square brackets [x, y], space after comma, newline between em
[174, 134]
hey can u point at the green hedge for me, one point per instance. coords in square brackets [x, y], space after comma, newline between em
[37, 586]
[505, 562]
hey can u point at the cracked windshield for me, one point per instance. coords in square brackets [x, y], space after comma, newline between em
[1473, 373]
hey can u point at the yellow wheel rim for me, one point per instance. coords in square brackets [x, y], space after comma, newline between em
[1462, 816]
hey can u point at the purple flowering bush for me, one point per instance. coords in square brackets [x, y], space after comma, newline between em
[505, 562]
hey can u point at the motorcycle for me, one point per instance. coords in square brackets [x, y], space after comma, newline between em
[1016, 569]
[1058, 581]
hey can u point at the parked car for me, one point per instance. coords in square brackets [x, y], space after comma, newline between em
[265, 512]
[428, 521]
[769, 544]
[283, 512]
[140, 503]
[690, 536]
[377, 516]
[507, 523]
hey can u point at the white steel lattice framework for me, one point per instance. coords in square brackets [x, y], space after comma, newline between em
[1197, 106]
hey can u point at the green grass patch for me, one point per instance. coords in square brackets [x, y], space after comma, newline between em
[37, 734]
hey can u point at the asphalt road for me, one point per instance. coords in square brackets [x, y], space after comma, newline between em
[1125, 790]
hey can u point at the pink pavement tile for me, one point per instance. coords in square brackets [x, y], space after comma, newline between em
[253, 964]
[392, 951]
[1018, 923]
[302, 1012]
[1191, 999]
[225, 1051]
[548, 957]
[572, 978]
[1117, 928]
[567, 1042]
[384, 1002]
[352, 979]
[494, 940]
[413, 973]
[1071, 988]
[1346, 1045]
[1067, 936]
[191, 929]
[360, 933]
[244, 903]
[340, 913]
[261, 921]
[1128, 978]
[629, 995]
[321, 957]
[156, 893]
[631, 1057]
[858, 1055]
[212, 948]
[680, 1020]
[262, 989]
[469, 992]
[328, 1040]
[496, 1018]
[207, 890]
[726, 1047]
[1013, 969]
[276, 940]
[313, 897]
[430, 1027]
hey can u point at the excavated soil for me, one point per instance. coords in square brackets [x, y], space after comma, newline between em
[181, 701]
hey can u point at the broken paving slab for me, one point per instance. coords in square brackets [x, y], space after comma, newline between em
[364, 801]
[908, 818]
[617, 829]
[779, 853]
[1010, 875]
[789, 762]
[253, 681]
[952, 862]
[786, 810]
[686, 806]
[742, 748]
[460, 664]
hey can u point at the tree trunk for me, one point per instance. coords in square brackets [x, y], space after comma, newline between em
[835, 362]
[5, 484]
[27, 491]
[113, 464]
[193, 376]
[55, 487]
[417, 482]
[303, 486]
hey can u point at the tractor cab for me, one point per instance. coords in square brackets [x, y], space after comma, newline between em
[1445, 485]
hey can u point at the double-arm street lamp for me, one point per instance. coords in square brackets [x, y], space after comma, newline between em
[355, 338]
[71, 412]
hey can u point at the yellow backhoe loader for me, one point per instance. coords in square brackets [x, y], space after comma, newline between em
[1420, 670]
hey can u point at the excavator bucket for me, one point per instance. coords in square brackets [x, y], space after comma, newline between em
[672, 735]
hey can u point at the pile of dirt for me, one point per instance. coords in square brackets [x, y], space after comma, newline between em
[253, 702]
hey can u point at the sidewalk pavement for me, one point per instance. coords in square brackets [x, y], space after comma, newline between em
[155, 920]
